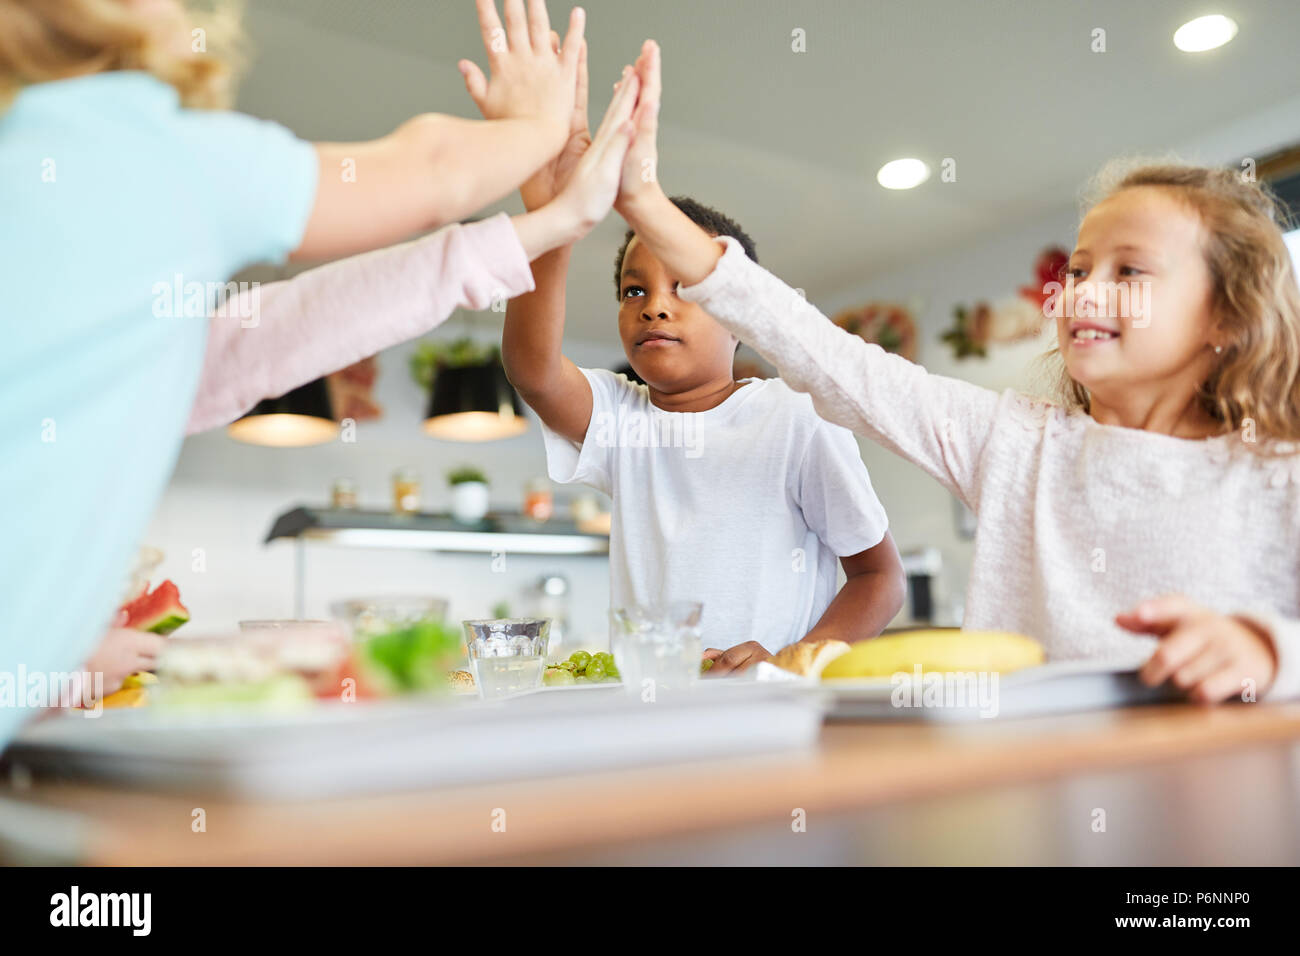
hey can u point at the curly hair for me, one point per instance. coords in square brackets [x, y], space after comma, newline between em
[1255, 298]
[707, 218]
[43, 40]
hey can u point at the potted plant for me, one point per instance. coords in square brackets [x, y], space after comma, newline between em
[469, 494]
[430, 356]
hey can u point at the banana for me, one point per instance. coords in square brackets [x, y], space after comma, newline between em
[937, 650]
[128, 697]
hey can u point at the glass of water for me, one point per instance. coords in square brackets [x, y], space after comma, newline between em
[507, 655]
[661, 645]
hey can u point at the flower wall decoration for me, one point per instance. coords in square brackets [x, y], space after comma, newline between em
[886, 324]
[1012, 320]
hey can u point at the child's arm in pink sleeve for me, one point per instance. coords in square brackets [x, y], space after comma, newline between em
[274, 338]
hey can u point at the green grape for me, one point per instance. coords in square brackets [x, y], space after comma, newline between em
[596, 671]
[705, 665]
[557, 677]
[611, 673]
[580, 680]
[580, 659]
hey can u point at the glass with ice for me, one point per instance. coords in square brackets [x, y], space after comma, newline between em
[661, 645]
[507, 655]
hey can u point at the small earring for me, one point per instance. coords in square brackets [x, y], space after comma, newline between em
[1218, 350]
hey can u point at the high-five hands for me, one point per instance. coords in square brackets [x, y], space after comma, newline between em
[537, 79]
[546, 183]
[589, 189]
[534, 77]
[594, 183]
[641, 166]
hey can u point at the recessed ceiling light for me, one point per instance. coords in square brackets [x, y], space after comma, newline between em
[903, 174]
[1205, 33]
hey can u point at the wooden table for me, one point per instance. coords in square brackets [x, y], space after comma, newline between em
[1177, 784]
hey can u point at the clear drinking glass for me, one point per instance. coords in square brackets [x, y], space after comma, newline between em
[507, 655]
[657, 644]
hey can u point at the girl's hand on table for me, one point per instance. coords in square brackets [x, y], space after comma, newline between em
[735, 659]
[1207, 654]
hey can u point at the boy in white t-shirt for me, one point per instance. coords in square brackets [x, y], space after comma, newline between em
[732, 493]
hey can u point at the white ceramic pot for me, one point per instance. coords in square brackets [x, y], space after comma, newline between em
[469, 501]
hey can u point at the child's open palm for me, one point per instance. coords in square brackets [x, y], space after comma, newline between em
[641, 166]
[592, 186]
[533, 76]
[546, 183]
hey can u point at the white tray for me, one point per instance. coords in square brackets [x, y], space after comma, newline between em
[1056, 687]
[336, 748]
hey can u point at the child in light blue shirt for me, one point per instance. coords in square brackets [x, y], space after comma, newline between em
[123, 211]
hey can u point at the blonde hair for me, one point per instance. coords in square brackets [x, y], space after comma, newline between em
[43, 40]
[1255, 298]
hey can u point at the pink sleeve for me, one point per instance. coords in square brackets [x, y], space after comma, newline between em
[274, 338]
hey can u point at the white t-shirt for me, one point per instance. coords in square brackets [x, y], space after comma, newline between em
[745, 507]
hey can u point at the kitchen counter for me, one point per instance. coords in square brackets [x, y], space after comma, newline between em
[1173, 784]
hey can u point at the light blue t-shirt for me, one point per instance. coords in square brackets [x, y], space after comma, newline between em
[114, 202]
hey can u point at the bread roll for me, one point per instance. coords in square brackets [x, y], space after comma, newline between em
[808, 658]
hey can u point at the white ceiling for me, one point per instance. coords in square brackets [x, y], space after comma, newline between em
[788, 143]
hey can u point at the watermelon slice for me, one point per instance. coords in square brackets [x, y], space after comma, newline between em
[160, 611]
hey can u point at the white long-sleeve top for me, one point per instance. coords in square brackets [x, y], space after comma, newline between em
[1077, 521]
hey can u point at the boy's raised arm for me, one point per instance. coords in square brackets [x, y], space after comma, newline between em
[532, 342]
[532, 352]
